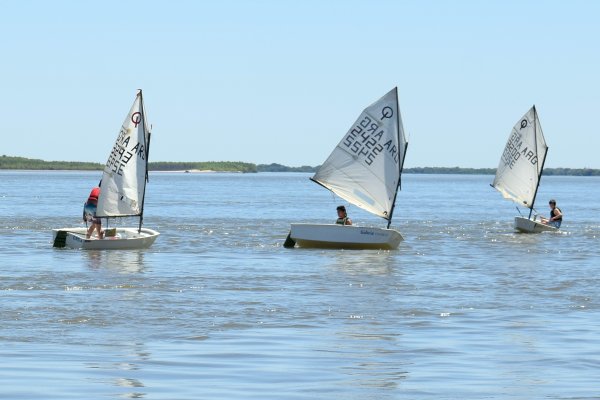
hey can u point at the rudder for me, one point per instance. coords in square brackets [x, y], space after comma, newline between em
[60, 240]
[289, 242]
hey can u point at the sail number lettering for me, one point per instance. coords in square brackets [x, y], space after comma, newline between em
[512, 151]
[121, 154]
[364, 140]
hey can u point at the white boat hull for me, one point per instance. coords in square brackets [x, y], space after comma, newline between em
[125, 238]
[344, 236]
[527, 225]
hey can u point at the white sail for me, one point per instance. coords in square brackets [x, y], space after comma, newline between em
[522, 161]
[366, 165]
[124, 177]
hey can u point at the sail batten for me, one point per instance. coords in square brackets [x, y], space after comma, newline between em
[364, 168]
[522, 161]
[125, 173]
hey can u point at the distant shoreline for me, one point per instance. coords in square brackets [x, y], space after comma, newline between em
[203, 167]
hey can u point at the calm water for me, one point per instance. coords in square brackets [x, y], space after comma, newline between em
[217, 309]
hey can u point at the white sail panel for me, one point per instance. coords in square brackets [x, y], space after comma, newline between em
[522, 160]
[365, 167]
[124, 177]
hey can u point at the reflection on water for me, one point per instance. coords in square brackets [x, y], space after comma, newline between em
[126, 262]
[216, 308]
[373, 358]
[122, 374]
[371, 262]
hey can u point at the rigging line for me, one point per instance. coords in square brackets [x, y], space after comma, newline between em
[332, 197]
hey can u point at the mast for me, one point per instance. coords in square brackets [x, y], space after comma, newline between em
[543, 162]
[401, 166]
[147, 144]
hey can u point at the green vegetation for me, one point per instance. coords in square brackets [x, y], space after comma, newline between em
[492, 171]
[7, 162]
[284, 168]
[450, 170]
[219, 166]
[572, 171]
[439, 170]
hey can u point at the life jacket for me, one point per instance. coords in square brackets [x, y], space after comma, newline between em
[341, 221]
[552, 214]
[94, 194]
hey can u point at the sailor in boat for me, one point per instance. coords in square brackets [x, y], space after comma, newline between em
[343, 216]
[89, 213]
[555, 215]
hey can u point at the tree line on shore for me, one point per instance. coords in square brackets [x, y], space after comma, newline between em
[8, 162]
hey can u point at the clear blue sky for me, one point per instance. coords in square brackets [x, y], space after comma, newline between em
[281, 81]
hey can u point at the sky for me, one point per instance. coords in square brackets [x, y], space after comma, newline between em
[281, 81]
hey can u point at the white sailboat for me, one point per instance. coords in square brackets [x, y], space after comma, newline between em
[363, 169]
[123, 189]
[521, 167]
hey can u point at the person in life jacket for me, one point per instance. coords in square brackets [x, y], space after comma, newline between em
[89, 213]
[342, 216]
[556, 215]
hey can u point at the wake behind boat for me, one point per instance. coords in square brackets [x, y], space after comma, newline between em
[364, 169]
[520, 170]
[123, 190]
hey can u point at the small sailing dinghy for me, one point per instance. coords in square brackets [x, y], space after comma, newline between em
[123, 189]
[520, 169]
[364, 169]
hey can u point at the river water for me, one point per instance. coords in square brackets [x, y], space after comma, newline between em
[218, 309]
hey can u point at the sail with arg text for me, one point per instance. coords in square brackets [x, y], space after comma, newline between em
[125, 173]
[522, 161]
[365, 167]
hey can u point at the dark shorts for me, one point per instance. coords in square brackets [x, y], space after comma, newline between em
[90, 213]
[555, 224]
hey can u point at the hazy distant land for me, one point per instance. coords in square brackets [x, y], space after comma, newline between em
[8, 162]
